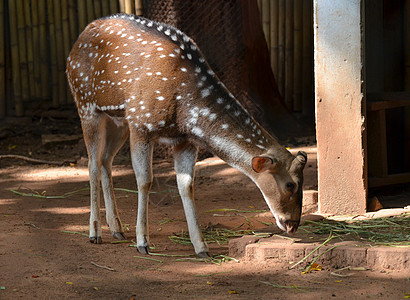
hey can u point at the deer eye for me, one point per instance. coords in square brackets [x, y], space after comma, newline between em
[290, 186]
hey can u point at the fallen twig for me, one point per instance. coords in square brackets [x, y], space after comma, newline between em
[36, 194]
[307, 269]
[300, 288]
[33, 160]
[102, 267]
[149, 258]
[331, 236]
[32, 225]
[74, 232]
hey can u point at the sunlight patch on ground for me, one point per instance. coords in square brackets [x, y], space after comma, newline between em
[8, 201]
[76, 228]
[63, 173]
[65, 210]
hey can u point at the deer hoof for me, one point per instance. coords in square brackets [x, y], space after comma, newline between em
[143, 249]
[203, 255]
[119, 236]
[95, 240]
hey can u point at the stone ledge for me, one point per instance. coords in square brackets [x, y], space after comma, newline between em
[353, 254]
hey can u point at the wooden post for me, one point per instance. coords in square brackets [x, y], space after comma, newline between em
[260, 7]
[82, 15]
[36, 48]
[289, 55]
[22, 48]
[266, 20]
[2, 64]
[15, 58]
[105, 7]
[274, 9]
[60, 52]
[128, 7]
[139, 9]
[30, 47]
[67, 43]
[72, 19]
[90, 11]
[281, 48]
[121, 5]
[308, 99]
[53, 53]
[297, 60]
[42, 17]
[97, 9]
[114, 6]
[406, 35]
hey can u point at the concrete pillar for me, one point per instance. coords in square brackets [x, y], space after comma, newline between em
[340, 106]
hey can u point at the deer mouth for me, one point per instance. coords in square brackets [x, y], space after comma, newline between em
[291, 226]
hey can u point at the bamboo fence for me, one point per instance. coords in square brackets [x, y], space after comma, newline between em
[288, 28]
[35, 39]
[37, 35]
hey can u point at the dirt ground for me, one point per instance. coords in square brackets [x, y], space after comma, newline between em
[44, 254]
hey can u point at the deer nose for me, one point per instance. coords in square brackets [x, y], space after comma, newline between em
[291, 226]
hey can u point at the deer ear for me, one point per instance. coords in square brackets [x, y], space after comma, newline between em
[262, 163]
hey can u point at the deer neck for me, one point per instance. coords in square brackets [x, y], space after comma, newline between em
[219, 123]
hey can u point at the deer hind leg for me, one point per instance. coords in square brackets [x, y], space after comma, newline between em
[116, 133]
[141, 156]
[93, 138]
[184, 158]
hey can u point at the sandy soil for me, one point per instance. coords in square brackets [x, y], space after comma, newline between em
[41, 259]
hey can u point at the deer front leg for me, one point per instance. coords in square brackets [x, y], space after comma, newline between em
[185, 157]
[141, 156]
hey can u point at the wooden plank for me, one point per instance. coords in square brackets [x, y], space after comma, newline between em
[114, 6]
[97, 9]
[2, 64]
[36, 48]
[297, 55]
[388, 96]
[289, 50]
[67, 43]
[266, 20]
[139, 9]
[105, 7]
[374, 46]
[53, 54]
[274, 31]
[377, 144]
[90, 11]
[281, 48]
[21, 31]
[82, 14]
[15, 59]
[389, 180]
[30, 47]
[383, 105]
[60, 52]
[121, 4]
[42, 18]
[308, 98]
[128, 6]
[72, 19]
[406, 26]
[380, 101]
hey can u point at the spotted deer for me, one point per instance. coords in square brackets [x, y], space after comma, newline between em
[134, 77]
